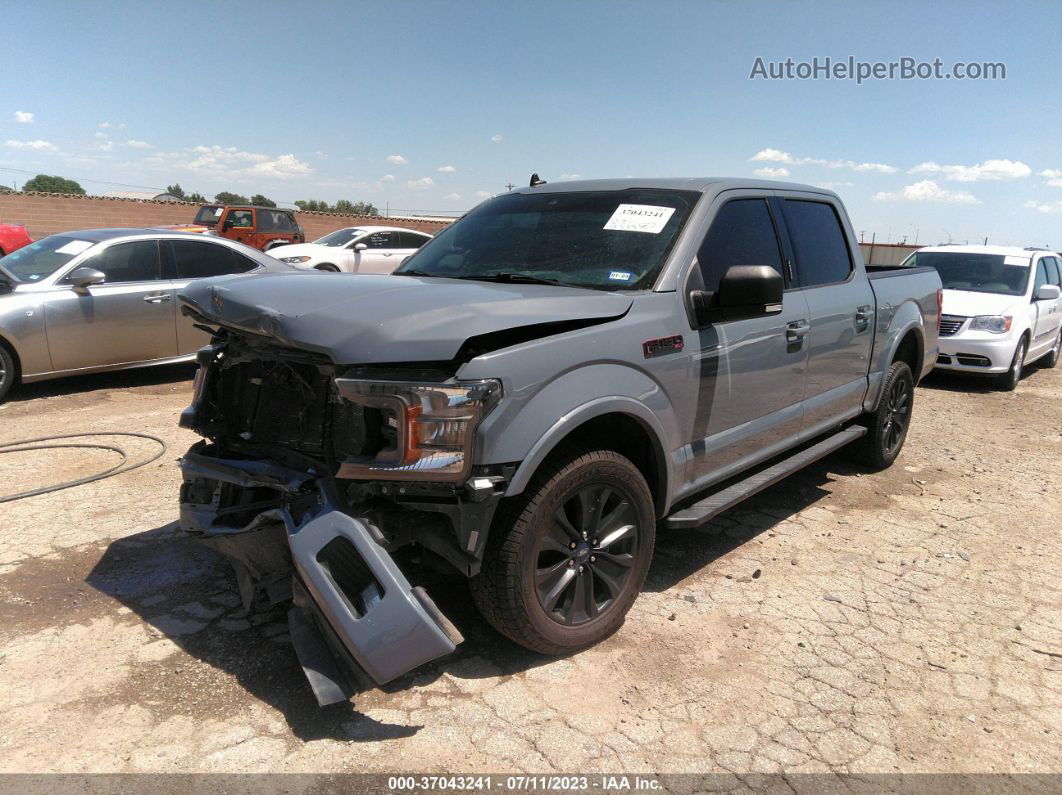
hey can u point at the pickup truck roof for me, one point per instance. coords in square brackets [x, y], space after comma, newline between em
[700, 184]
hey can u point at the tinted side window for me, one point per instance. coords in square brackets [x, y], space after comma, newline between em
[411, 240]
[818, 242]
[1053, 271]
[129, 262]
[1041, 276]
[195, 260]
[242, 219]
[380, 240]
[742, 233]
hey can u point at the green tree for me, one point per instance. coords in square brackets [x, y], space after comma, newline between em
[230, 198]
[44, 183]
[196, 198]
[261, 201]
[176, 190]
[313, 205]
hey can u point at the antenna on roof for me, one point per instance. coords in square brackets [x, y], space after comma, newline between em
[536, 181]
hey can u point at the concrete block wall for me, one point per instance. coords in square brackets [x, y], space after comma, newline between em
[46, 214]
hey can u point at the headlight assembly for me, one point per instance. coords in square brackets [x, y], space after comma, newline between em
[294, 260]
[997, 324]
[417, 431]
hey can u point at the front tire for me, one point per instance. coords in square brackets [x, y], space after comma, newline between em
[8, 372]
[887, 425]
[1008, 382]
[327, 267]
[567, 558]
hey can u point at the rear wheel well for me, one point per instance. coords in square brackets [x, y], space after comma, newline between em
[910, 352]
[626, 435]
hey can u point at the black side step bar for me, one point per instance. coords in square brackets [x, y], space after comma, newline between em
[710, 507]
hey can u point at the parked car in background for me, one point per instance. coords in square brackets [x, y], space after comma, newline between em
[537, 390]
[13, 237]
[262, 228]
[1002, 308]
[103, 299]
[355, 249]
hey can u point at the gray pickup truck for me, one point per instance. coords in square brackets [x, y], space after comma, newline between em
[528, 399]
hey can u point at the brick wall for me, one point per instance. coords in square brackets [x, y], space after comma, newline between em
[47, 213]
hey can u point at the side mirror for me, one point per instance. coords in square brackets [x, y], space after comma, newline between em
[745, 291]
[1047, 292]
[361, 247]
[86, 277]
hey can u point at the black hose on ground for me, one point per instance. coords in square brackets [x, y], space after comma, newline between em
[46, 443]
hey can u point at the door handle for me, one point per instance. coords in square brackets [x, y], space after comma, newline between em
[862, 317]
[157, 298]
[797, 330]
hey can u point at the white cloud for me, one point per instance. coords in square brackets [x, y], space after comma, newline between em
[228, 162]
[1046, 207]
[132, 143]
[320, 154]
[23, 117]
[282, 167]
[447, 169]
[1054, 176]
[423, 182]
[571, 176]
[387, 178]
[779, 156]
[106, 125]
[988, 170]
[452, 196]
[769, 171]
[496, 138]
[483, 194]
[928, 191]
[833, 185]
[40, 146]
[398, 160]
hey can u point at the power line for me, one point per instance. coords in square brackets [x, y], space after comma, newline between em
[83, 179]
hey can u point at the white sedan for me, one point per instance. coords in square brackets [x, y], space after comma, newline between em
[355, 249]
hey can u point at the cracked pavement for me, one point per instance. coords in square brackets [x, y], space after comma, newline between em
[909, 620]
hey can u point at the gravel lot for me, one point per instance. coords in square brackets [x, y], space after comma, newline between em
[909, 620]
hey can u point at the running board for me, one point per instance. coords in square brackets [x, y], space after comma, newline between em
[705, 510]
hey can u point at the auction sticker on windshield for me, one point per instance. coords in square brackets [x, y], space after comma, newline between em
[73, 247]
[639, 218]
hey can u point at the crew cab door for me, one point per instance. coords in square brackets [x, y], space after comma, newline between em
[749, 373]
[841, 309]
[129, 318]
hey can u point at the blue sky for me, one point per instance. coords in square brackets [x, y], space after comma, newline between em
[432, 106]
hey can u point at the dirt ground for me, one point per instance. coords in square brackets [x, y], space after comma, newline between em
[909, 620]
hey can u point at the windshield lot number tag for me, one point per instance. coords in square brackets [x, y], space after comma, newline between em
[639, 218]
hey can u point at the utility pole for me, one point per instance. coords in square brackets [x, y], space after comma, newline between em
[510, 185]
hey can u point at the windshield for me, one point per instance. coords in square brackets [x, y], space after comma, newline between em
[41, 259]
[612, 240]
[339, 238]
[976, 273]
[208, 216]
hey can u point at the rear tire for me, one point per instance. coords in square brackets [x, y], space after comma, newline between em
[1051, 359]
[8, 371]
[567, 558]
[887, 425]
[1008, 382]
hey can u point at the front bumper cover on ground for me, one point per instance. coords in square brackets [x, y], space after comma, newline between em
[356, 621]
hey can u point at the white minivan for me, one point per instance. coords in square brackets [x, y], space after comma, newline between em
[1001, 308]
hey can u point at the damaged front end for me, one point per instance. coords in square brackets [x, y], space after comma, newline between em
[313, 479]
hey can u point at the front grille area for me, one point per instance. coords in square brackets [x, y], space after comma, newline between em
[949, 324]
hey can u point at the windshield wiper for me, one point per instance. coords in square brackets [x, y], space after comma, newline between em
[510, 277]
[415, 272]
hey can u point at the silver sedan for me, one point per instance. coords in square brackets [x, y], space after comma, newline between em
[105, 299]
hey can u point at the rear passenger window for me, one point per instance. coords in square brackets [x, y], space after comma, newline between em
[195, 260]
[741, 234]
[411, 240]
[818, 243]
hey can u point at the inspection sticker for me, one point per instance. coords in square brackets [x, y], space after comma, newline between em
[74, 247]
[639, 218]
[1010, 259]
[620, 276]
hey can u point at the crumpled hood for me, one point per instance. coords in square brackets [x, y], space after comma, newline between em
[364, 319]
[968, 303]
